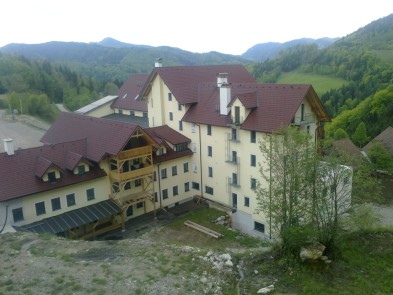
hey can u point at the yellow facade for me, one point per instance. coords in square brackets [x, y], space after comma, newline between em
[222, 179]
[101, 192]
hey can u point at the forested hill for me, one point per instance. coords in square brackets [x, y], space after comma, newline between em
[111, 59]
[363, 61]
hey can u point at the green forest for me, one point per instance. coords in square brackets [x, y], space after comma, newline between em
[353, 77]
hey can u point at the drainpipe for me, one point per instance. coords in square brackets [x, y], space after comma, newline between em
[200, 157]
[159, 184]
[6, 216]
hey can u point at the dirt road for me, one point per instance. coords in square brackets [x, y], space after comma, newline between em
[25, 131]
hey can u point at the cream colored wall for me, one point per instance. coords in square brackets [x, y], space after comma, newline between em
[101, 111]
[307, 110]
[101, 189]
[155, 106]
[171, 181]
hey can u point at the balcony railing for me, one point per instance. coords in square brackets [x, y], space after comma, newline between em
[306, 119]
[135, 153]
[130, 175]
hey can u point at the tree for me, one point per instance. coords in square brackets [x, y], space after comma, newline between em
[302, 196]
[360, 136]
[287, 168]
[340, 134]
[380, 157]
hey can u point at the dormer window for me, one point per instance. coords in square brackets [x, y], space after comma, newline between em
[160, 151]
[181, 147]
[52, 177]
[169, 96]
[81, 169]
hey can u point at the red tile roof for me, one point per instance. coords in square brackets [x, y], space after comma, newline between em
[272, 105]
[102, 136]
[167, 133]
[18, 173]
[128, 93]
[184, 81]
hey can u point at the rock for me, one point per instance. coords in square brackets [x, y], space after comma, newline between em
[312, 251]
[323, 258]
[256, 272]
[228, 263]
[266, 290]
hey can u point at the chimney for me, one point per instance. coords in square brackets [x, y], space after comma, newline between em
[222, 78]
[9, 146]
[225, 98]
[158, 63]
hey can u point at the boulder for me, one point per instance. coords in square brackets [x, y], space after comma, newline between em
[312, 251]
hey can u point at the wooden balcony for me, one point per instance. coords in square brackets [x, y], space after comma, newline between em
[135, 153]
[131, 175]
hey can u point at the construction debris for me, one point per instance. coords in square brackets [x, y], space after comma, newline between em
[203, 229]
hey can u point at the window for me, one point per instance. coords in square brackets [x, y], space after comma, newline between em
[195, 185]
[120, 112]
[40, 208]
[209, 190]
[185, 167]
[179, 107]
[139, 205]
[156, 197]
[17, 213]
[132, 113]
[193, 128]
[302, 112]
[234, 200]
[165, 194]
[81, 169]
[234, 134]
[163, 173]
[56, 204]
[144, 114]
[253, 160]
[51, 177]
[246, 202]
[209, 129]
[181, 125]
[253, 183]
[90, 194]
[175, 190]
[130, 211]
[186, 186]
[210, 171]
[253, 136]
[234, 178]
[194, 167]
[70, 200]
[237, 115]
[170, 116]
[138, 182]
[127, 186]
[259, 227]
[174, 170]
[169, 96]
[209, 151]
[234, 156]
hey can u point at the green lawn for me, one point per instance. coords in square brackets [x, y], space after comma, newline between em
[321, 83]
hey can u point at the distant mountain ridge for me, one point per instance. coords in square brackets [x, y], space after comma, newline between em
[269, 50]
[113, 59]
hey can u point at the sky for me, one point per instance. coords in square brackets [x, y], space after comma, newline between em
[230, 26]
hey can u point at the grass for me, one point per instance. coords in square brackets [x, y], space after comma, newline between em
[364, 266]
[204, 217]
[321, 83]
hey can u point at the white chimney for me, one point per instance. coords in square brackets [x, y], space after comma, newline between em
[158, 63]
[222, 78]
[9, 146]
[225, 98]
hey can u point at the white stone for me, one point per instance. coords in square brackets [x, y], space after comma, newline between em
[266, 290]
